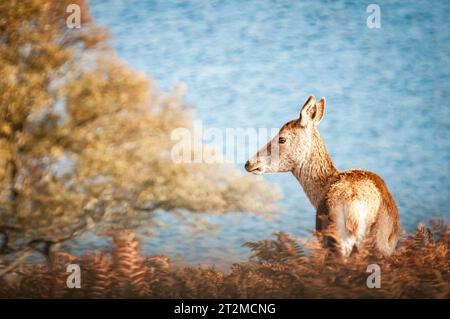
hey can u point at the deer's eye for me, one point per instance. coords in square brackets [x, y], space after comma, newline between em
[281, 140]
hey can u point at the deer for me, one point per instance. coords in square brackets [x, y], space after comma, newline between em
[354, 208]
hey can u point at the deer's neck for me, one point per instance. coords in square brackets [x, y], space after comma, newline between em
[315, 173]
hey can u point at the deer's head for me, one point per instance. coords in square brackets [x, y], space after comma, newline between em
[292, 145]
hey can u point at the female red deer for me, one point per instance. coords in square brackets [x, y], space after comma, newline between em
[352, 206]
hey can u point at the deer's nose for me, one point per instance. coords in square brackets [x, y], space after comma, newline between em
[247, 165]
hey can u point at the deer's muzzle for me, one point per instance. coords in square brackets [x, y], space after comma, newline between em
[254, 168]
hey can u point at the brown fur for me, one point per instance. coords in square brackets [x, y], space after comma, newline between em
[352, 207]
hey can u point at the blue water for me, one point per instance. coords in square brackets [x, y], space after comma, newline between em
[253, 63]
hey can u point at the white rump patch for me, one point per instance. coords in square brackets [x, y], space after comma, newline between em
[359, 211]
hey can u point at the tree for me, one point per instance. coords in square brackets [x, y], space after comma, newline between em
[85, 141]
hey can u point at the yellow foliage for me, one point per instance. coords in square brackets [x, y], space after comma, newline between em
[85, 141]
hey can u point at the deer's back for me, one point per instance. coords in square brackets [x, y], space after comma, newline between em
[359, 184]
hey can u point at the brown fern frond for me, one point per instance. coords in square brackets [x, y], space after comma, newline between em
[129, 270]
[98, 278]
[281, 267]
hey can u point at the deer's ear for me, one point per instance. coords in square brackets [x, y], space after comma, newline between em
[320, 111]
[312, 111]
[307, 110]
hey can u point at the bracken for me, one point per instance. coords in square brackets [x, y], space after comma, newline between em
[278, 268]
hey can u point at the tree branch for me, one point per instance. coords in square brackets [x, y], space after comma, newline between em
[153, 206]
[40, 245]
[23, 255]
